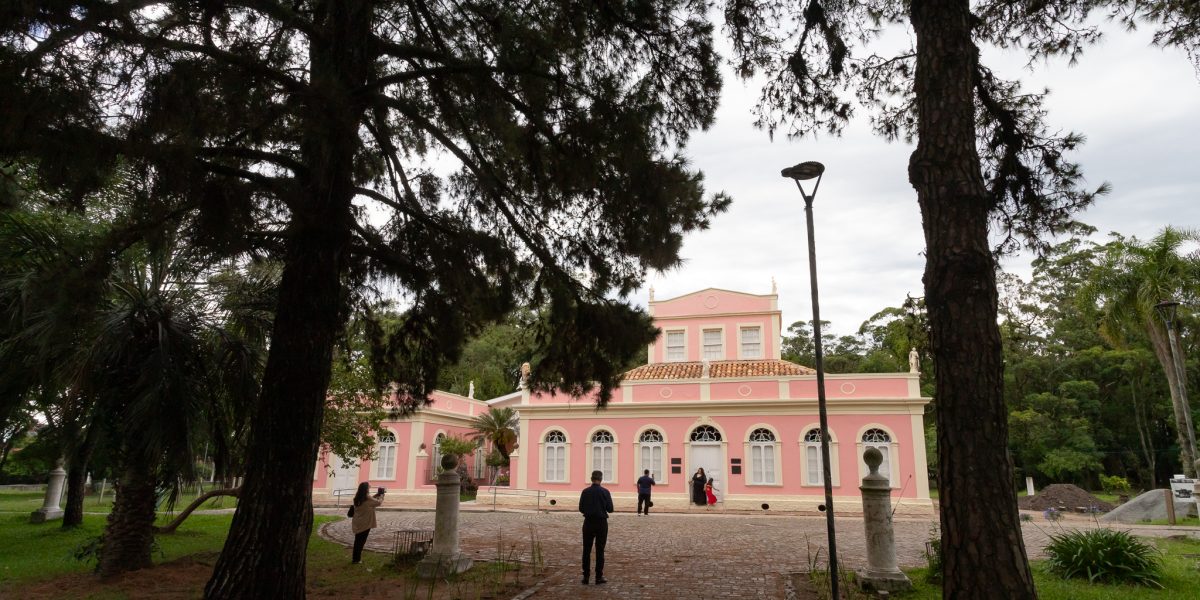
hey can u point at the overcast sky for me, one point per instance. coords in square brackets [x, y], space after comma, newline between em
[1139, 107]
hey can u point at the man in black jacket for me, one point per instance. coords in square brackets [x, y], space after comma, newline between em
[595, 503]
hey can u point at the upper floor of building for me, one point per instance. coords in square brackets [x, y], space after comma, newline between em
[716, 325]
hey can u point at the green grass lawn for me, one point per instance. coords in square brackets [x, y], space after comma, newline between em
[31, 555]
[27, 502]
[34, 553]
[1181, 579]
[29, 552]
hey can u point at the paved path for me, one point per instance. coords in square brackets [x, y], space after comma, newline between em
[692, 556]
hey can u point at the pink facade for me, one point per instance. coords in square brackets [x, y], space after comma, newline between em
[405, 460]
[715, 394]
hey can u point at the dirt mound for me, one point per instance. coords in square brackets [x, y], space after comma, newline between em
[1062, 496]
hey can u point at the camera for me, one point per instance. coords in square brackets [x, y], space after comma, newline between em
[380, 492]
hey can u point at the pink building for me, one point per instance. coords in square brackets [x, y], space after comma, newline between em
[714, 394]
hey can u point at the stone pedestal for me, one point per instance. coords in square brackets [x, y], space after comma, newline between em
[50, 510]
[1029, 491]
[444, 557]
[881, 573]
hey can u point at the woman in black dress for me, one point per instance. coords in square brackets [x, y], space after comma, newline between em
[698, 482]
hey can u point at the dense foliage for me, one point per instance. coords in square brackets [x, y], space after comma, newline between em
[1104, 556]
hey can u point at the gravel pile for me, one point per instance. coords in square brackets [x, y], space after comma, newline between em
[1062, 496]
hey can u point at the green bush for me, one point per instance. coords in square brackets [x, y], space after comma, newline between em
[1104, 556]
[1114, 485]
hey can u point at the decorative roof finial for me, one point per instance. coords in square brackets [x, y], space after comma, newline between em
[914, 361]
[652, 293]
[774, 289]
[524, 376]
[471, 390]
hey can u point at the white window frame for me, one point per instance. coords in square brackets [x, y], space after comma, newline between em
[681, 331]
[891, 457]
[384, 465]
[646, 450]
[806, 475]
[762, 457]
[719, 350]
[556, 458]
[742, 354]
[602, 455]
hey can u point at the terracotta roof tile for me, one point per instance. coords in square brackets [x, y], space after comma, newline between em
[719, 369]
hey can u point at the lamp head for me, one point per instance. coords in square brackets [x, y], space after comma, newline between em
[804, 171]
[1166, 310]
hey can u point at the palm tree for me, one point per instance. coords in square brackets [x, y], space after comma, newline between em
[1132, 279]
[125, 337]
[151, 379]
[49, 290]
[498, 426]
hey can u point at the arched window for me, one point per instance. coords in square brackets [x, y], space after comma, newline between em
[812, 457]
[762, 456]
[706, 433]
[602, 453]
[555, 452]
[385, 462]
[651, 446]
[880, 440]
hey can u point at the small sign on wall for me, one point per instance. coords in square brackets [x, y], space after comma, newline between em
[676, 469]
[676, 461]
[1182, 487]
[737, 469]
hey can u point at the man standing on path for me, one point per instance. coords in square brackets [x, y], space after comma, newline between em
[644, 483]
[595, 503]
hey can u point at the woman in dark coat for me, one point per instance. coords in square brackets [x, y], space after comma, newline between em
[698, 482]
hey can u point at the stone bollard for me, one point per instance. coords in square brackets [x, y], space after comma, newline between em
[881, 574]
[444, 557]
[50, 510]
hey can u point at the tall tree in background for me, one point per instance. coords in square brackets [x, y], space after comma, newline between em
[1132, 279]
[279, 123]
[983, 156]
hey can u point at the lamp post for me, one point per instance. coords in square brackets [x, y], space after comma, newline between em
[807, 171]
[1166, 310]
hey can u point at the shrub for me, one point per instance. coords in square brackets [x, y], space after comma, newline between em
[457, 446]
[1104, 556]
[1114, 485]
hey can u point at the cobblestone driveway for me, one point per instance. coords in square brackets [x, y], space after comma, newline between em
[694, 556]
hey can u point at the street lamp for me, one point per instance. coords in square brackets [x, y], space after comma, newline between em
[807, 171]
[1166, 310]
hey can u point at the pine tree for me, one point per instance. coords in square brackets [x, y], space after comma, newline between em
[469, 155]
[984, 157]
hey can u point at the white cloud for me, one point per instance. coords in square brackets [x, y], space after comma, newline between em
[1139, 107]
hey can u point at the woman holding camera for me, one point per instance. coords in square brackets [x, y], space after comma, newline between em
[363, 517]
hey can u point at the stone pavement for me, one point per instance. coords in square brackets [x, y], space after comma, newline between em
[671, 555]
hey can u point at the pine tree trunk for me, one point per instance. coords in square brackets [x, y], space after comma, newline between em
[264, 555]
[129, 535]
[984, 554]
